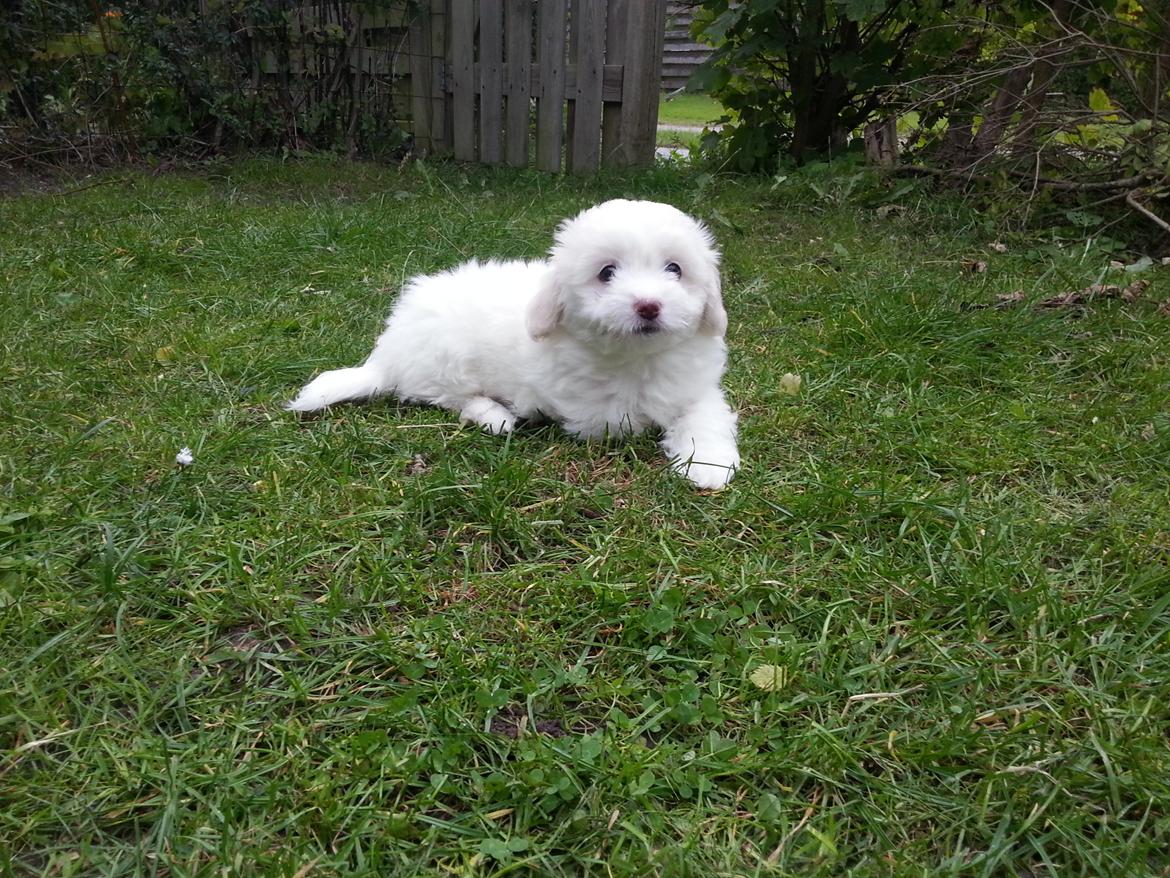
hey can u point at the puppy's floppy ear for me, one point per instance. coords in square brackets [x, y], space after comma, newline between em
[546, 309]
[714, 320]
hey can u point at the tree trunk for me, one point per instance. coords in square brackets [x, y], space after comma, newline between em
[881, 142]
[1004, 104]
[1044, 72]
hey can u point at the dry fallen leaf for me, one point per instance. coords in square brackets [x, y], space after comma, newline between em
[1148, 432]
[974, 266]
[998, 247]
[1002, 300]
[1129, 293]
[417, 466]
[770, 677]
[1164, 308]
[1134, 291]
[790, 383]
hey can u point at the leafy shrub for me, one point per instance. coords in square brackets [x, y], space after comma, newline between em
[166, 75]
[801, 75]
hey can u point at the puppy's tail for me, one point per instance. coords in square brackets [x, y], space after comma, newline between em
[340, 385]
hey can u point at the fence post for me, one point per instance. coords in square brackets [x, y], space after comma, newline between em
[441, 111]
[421, 105]
[463, 85]
[645, 31]
[615, 53]
[550, 111]
[491, 81]
[518, 79]
[589, 35]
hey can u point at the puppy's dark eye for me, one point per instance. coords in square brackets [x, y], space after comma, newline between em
[606, 274]
[674, 269]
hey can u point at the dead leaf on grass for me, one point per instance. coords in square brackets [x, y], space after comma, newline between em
[974, 266]
[998, 247]
[1129, 293]
[417, 466]
[243, 639]
[1002, 300]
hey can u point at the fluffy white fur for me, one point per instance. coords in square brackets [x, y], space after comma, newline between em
[574, 338]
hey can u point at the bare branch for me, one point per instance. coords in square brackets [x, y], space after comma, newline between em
[1132, 200]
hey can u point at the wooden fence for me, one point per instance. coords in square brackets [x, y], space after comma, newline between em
[589, 68]
[681, 55]
[573, 82]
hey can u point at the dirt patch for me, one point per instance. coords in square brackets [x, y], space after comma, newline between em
[15, 182]
[512, 722]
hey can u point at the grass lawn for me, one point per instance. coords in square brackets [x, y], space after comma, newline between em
[684, 139]
[689, 109]
[374, 642]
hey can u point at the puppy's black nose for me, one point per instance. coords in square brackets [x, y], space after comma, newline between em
[647, 309]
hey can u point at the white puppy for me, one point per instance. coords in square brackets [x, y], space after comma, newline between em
[620, 329]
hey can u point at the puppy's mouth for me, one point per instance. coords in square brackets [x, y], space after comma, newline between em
[647, 328]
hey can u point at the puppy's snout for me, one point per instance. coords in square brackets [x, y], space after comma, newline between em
[647, 309]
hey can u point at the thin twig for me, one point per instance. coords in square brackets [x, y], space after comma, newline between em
[1131, 200]
[876, 696]
[93, 185]
[808, 812]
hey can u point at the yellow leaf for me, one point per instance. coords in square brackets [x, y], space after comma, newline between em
[166, 354]
[790, 383]
[770, 678]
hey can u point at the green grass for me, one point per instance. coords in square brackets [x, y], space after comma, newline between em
[689, 109]
[684, 139]
[303, 655]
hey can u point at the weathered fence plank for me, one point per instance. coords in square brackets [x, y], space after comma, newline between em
[616, 21]
[643, 63]
[441, 109]
[421, 105]
[550, 111]
[611, 81]
[491, 82]
[589, 29]
[463, 84]
[518, 81]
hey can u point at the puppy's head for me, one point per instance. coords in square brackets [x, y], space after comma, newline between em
[631, 270]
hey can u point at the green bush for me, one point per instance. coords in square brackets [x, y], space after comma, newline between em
[163, 75]
[801, 75]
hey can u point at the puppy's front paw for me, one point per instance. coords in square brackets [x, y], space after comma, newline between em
[707, 476]
[489, 414]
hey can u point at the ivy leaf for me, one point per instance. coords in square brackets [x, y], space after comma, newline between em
[856, 10]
